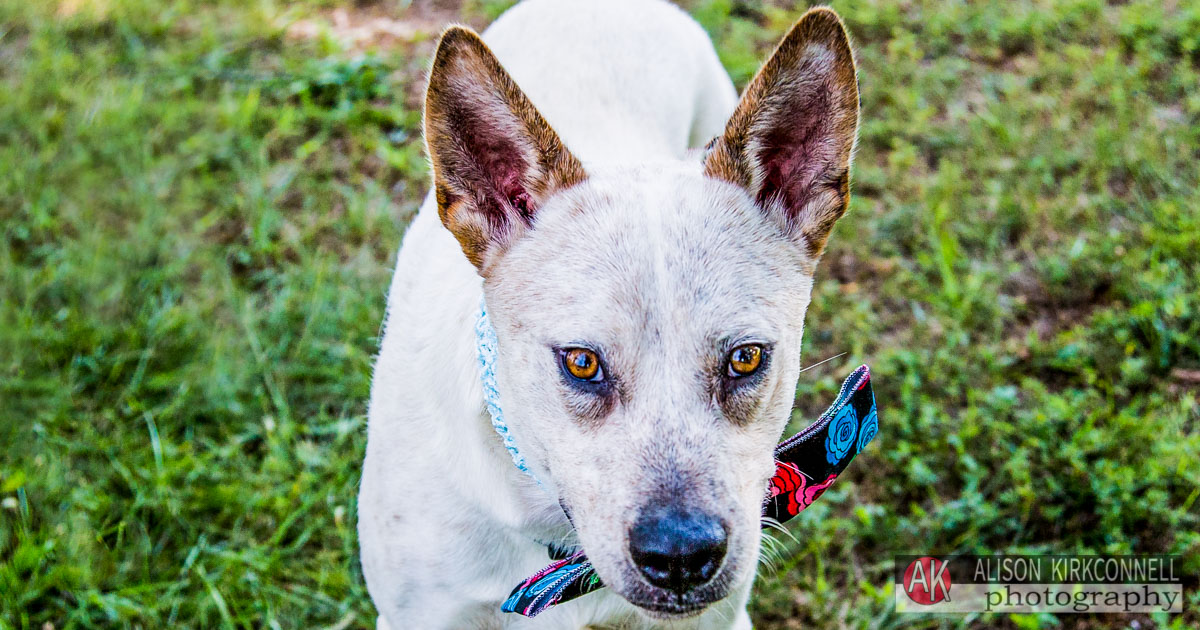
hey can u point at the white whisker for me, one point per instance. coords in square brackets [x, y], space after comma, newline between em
[777, 526]
[768, 552]
[823, 362]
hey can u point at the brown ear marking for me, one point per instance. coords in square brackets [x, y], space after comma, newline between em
[790, 140]
[495, 159]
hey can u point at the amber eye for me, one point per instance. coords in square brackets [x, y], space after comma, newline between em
[582, 364]
[745, 360]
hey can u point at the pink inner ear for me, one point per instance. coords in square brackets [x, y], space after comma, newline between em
[519, 200]
[797, 149]
[493, 165]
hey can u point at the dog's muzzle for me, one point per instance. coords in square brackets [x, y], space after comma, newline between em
[679, 554]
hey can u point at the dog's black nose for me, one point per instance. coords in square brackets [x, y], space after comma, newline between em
[677, 549]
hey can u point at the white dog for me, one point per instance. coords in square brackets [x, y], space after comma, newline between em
[647, 301]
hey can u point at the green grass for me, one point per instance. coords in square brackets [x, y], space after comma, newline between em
[199, 214]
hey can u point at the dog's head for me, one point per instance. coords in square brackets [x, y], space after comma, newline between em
[649, 316]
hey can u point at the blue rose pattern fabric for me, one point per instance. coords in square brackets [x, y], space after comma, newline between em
[870, 426]
[842, 432]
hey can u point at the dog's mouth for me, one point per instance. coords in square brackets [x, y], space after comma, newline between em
[668, 605]
[671, 611]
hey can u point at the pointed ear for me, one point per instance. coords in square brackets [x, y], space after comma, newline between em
[495, 160]
[790, 140]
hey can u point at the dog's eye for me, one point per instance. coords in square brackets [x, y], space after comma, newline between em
[745, 360]
[582, 364]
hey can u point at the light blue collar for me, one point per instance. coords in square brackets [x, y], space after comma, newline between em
[488, 349]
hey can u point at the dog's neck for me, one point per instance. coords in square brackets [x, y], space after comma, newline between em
[487, 349]
[550, 528]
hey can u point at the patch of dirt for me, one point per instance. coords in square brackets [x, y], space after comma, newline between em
[1183, 380]
[379, 27]
[13, 47]
[851, 271]
[1048, 314]
[363, 28]
[95, 9]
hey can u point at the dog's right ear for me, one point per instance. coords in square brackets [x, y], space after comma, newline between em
[495, 159]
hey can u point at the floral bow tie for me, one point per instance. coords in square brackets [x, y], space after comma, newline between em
[805, 465]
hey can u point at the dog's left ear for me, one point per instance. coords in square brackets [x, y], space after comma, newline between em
[790, 140]
[495, 159]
